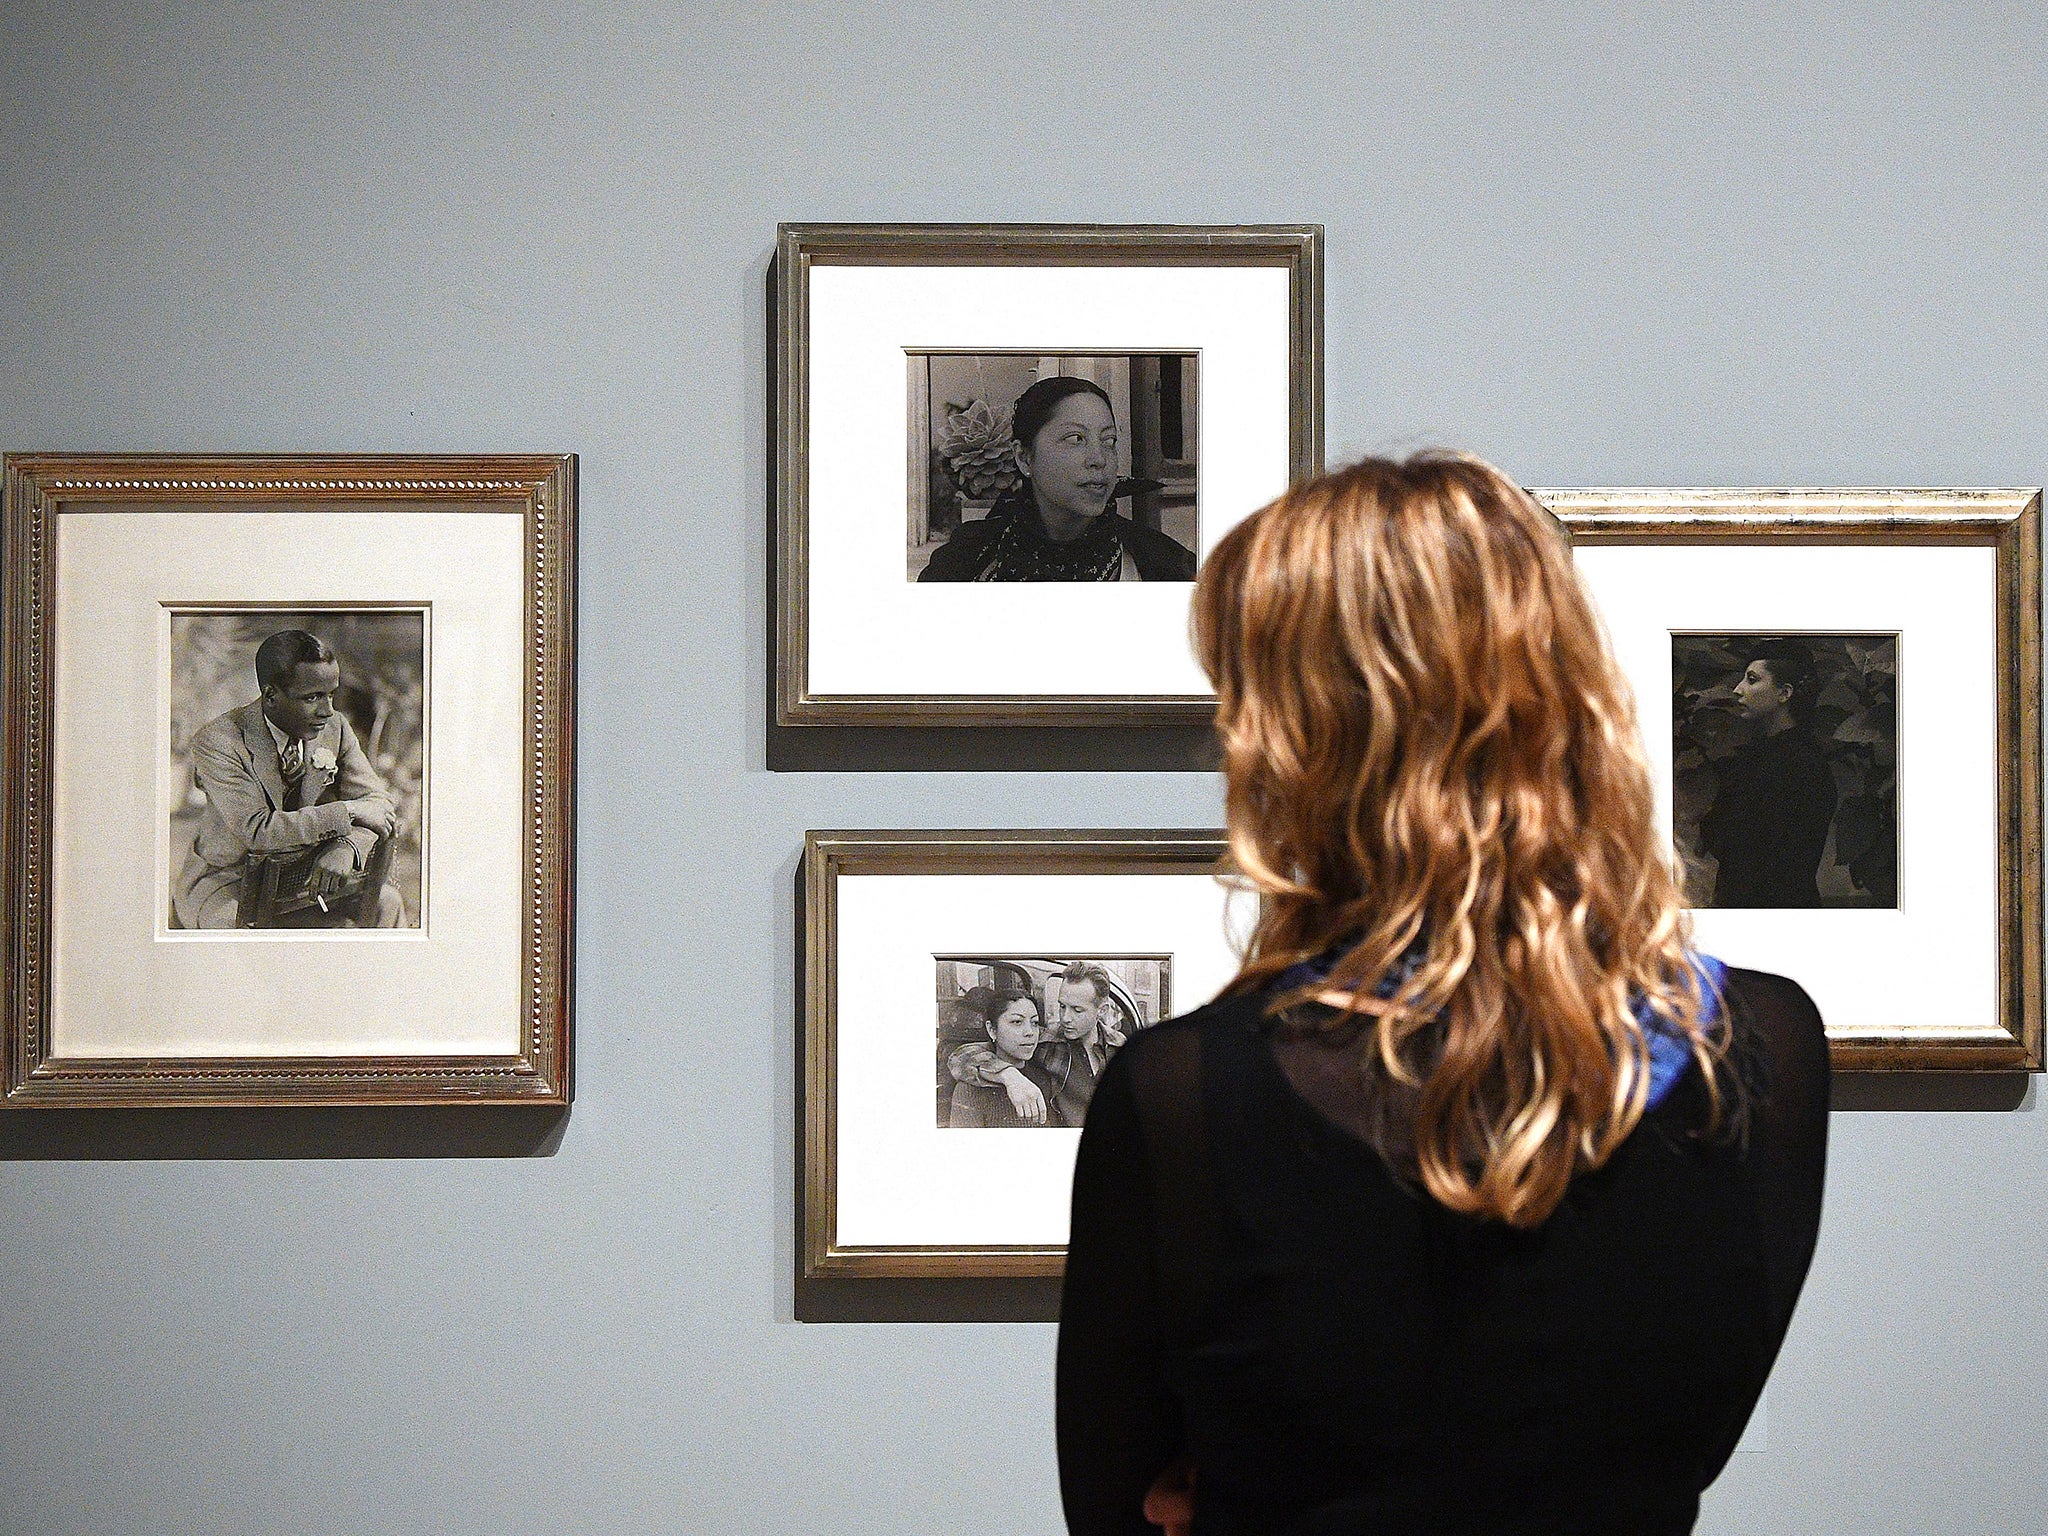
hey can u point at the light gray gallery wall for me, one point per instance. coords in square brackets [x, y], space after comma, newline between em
[1771, 243]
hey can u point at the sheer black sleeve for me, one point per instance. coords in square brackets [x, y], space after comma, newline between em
[1150, 1233]
[1783, 1050]
[1119, 1422]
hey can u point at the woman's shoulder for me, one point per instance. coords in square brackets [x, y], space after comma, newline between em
[1798, 746]
[1765, 986]
[1774, 1003]
[969, 1103]
[959, 558]
[1164, 1062]
[1778, 1042]
[1240, 1011]
[982, 1104]
[1160, 556]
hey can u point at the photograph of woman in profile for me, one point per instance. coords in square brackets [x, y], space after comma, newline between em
[1061, 524]
[1774, 798]
[1479, 1200]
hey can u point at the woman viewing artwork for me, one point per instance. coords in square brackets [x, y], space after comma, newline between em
[1479, 1200]
[1053, 465]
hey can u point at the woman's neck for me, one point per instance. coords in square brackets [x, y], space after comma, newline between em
[1061, 526]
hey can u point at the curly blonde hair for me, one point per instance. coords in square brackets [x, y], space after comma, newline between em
[1432, 756]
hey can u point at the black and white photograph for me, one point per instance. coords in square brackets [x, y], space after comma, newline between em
[1785, 759]
[240, 887]
[297, 773]
[1012, 965]
[1070, 467]
[1041, 410]
[1022, 1040]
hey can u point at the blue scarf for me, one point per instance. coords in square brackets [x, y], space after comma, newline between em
[1670, 1050]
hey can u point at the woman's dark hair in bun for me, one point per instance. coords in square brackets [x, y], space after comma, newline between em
[1035, 406]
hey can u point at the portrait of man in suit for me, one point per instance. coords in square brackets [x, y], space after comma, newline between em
[283, 781]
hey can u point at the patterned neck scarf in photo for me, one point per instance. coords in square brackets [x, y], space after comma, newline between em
[1020, 551]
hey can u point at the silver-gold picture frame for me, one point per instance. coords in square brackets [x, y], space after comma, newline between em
[856, 946]
[1944, 971]
[848, 636]
[106, 556]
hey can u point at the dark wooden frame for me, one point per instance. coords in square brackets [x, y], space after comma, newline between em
[827, 856]
[542, 488]
[2008, 521]
[799, 247]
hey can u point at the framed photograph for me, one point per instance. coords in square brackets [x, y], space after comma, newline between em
[1840, 693]
[289, 779]
[1001, 450]
[962, 993]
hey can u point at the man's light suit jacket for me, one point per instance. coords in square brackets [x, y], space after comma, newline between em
[234, 759]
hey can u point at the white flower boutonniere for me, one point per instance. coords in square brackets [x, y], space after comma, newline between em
[321, 760]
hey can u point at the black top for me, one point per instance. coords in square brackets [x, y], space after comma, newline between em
[1249, 1285]
[1769, 822]
[1010, 544]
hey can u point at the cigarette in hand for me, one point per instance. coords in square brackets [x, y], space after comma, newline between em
[322, 900]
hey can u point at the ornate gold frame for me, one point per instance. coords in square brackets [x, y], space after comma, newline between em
[2005, 520]
[827, 856]
[799, 247]
[37, 488]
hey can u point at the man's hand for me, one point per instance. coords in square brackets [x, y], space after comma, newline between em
[1025, 1098]
[333, 867]
[374, 814]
